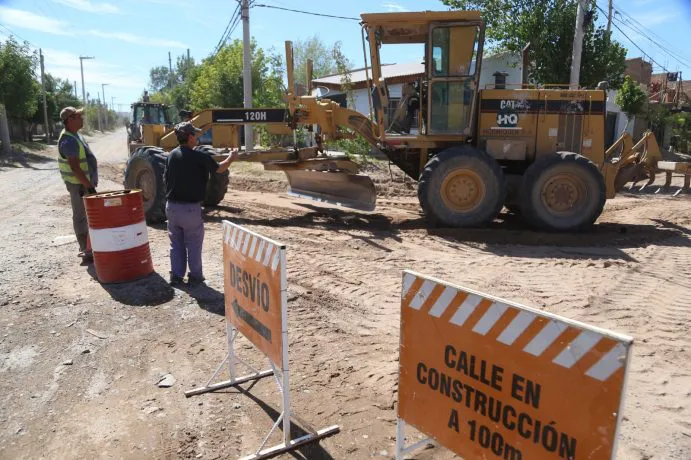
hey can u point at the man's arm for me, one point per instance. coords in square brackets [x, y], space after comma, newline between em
[69, 148]
[225, 164]
[77, 170]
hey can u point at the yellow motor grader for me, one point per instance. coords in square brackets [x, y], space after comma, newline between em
[538, 151]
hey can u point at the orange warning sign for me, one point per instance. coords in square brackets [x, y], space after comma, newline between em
[254, 286]
[487, 378]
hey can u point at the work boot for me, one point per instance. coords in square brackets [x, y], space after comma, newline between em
[84, 251]
[194, 281]
[175, 280]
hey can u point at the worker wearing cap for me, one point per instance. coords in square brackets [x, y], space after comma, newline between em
[185, 115]
[186, 175]
[79, 170]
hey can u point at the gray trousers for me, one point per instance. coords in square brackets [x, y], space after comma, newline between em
[186, 232]
[81, 226]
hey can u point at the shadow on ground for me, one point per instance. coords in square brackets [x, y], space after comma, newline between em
[507, 235]
[207, 298]
[150, 290]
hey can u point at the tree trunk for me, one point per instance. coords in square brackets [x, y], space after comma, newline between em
[4, 132]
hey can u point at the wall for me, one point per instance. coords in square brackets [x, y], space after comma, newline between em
[504, 62]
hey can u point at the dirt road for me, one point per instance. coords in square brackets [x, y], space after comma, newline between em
[79, 361]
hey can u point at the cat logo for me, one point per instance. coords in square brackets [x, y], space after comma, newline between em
[507, 117]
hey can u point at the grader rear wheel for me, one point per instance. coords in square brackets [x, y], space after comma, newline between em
[562, 192]
[461, 187]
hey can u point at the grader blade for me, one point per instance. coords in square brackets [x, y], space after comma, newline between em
[335, 187]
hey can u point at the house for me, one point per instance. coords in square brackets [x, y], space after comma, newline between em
[498, 69]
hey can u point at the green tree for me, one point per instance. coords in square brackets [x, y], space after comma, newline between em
[18, 86]
[631, 98]
[321, 55]
[159, 78]
[220, 82]
[548, 25]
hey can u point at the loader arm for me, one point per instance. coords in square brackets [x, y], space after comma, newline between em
[634, 162]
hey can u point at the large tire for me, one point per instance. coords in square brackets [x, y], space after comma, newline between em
[217, 185]
[562, 192]
[216, 188]
[461, 187]
[144, 171]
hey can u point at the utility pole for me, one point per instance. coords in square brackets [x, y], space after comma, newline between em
[170, 71]
[98, 113]
[609, 16]
[577, 47]
[105, 115]
[46, 126]
[247, 70]
[112, 103]
[81, 65]
[75, 88]
[187, 64]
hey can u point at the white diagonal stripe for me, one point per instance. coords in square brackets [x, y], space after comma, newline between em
[258, 256]
[581, 345]
[248, 238]
[238, 237]
[226, 233]
[408, 281]
[490, 318]
[608, 364]
[516, 327]
[277, 257]
[267, 255]
[443, 302]
[466, 309]
[422, 294]
[545, 338]
[253, 247]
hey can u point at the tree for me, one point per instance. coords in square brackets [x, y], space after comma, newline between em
[219, 81]
[548, 25]
[322, 57]
[159, 78]
[631, 98]
[18, 86]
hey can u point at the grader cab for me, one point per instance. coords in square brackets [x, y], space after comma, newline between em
[473, 150]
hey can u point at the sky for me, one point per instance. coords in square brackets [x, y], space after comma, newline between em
[129, 37]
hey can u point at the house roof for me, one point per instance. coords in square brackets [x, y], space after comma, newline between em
[388, 71]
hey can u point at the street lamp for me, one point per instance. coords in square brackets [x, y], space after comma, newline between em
[81, 65]
[105, 115]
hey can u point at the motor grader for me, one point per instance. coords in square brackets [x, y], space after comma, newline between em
[537, 151]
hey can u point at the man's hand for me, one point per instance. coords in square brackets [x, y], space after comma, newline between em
[91, 191]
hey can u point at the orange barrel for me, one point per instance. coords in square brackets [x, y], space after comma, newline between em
[119, 238]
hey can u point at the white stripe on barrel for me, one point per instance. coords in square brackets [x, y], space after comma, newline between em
[118, 238]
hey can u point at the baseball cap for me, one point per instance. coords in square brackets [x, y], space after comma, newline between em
[185, 113]
[186, 128]
[68, 111]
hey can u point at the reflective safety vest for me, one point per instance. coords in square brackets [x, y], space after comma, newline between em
[64, 165]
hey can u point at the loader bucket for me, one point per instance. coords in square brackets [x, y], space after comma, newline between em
[349, 190]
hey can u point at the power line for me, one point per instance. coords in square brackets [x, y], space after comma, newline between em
[224, 35]
[12, 32]
[632, 42]
[664, 49]
[651, 32]
[635, 26]
[307, 12]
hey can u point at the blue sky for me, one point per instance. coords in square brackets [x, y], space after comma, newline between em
[128, 37]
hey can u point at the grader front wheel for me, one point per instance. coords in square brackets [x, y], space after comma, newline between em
[562, 192]
[144, 171]
[461, 187]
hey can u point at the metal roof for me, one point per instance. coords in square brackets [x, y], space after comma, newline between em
[388, 71]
